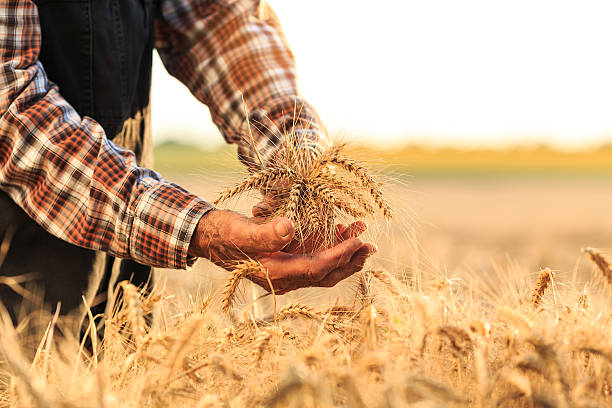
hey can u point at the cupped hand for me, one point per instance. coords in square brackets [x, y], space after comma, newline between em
[225, 237]
[317, 240]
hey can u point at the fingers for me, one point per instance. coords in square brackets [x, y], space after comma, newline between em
[340, 228]
[355, 265]
[264, 208]
[286, 269]
[353, 231]
[260, 210]
[330, 259]
[288, 272]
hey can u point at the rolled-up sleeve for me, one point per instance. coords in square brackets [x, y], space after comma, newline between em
[232, 53]
[67, 176]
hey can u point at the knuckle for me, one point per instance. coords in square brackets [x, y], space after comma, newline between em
[314, 271]
[256, 235]
[344, 259]
[330, 283]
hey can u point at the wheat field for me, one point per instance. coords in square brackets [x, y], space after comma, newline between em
[485, 293]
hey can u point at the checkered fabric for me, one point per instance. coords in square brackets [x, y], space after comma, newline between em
[63, 171]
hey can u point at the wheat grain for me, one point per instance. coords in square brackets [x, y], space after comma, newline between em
[385, 278]
[542, 283]
[356, 169]
[298, 310]
[259, 180]
[239, 271]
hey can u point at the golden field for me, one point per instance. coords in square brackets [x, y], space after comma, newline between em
[458, 311]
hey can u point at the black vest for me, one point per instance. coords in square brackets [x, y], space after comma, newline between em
[99, 53]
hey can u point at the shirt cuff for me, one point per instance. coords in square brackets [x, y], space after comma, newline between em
[278, 119]
[165, 218]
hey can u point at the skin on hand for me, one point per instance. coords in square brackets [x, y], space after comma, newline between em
[225, 237]
[266, 207]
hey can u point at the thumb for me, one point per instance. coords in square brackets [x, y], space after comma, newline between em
[269, 237]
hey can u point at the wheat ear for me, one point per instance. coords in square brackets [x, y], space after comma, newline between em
[356, 169]
[298, 310]
[542, 283]
[264, 339]
[258, 180]
[239, 271]
[323, 191]
[602, 262]
[385, 278]
[293, 201]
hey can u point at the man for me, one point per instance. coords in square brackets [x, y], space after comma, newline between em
[74, 86]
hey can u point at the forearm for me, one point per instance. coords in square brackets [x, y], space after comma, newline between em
[227, 52]
[86, 191]
[61, 169]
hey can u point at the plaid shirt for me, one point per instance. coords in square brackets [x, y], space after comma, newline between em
[63, 171]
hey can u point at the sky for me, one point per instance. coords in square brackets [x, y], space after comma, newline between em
[440, 72]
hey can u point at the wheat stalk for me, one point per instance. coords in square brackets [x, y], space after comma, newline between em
[135, 315]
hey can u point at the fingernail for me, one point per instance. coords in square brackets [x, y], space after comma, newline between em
[283, 227]
[373, 249]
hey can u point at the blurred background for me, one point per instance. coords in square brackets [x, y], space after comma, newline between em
[491, 122]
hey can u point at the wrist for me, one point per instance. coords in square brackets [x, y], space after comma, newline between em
[202, 235]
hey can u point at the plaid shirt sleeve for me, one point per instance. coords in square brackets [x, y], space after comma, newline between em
[230, 51]
[62, 170]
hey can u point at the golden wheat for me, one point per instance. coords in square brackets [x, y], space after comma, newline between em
[297, 310]
[238, 271]
[442, 341]
[385, 278]
[544, 279]
[602, 262]
[314, 191]
[503, 356]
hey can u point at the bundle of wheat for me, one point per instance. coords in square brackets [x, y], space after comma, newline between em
[314, 191]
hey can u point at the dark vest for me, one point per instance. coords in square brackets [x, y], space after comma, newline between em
[99, 53]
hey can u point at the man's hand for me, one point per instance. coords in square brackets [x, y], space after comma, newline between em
[225, 237]
[266, 207]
